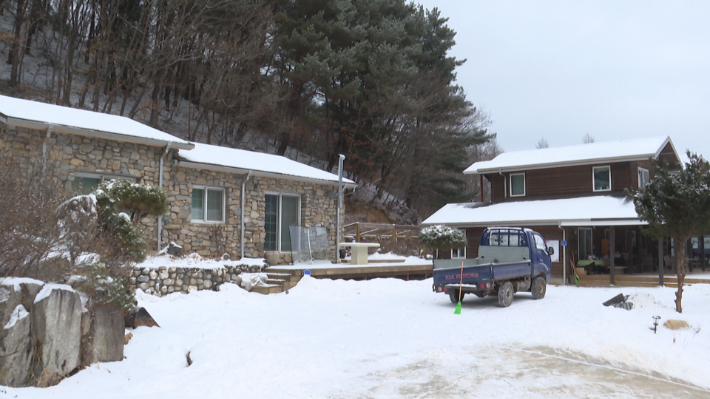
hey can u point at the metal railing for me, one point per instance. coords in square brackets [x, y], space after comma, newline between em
[379, 231]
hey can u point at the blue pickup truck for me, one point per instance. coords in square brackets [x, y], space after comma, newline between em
[510, 260]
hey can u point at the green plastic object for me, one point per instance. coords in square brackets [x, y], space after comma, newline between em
[576, 280]
[458, 308]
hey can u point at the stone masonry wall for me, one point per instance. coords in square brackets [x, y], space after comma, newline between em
[68, 155]
[166, 280]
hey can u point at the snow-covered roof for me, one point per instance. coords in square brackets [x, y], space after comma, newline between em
[34, 114]
[584, 211]
[608, 151]
[232, 159]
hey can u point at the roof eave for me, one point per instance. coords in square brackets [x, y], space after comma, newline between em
[255, 172]
[560, 164]
[11, 121]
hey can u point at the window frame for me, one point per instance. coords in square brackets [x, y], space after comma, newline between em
[511, 185]
[101, 176]
[648, 177]
[458, 250]
[594, 185]
[279, 214]
[205, 189]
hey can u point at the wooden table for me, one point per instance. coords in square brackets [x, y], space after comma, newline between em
[359, 251]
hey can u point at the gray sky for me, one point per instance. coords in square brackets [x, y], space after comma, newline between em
[561, 69]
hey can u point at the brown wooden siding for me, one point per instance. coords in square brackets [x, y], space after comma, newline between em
[564, 182]
[668, 156]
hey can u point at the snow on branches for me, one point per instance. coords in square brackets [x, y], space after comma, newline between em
[440, 236]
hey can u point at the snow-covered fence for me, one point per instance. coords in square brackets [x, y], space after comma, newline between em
[163, 280]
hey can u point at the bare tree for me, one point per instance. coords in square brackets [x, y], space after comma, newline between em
[588, 138]
[542, 143]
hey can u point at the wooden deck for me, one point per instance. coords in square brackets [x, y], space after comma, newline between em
[630, 280]
[351, 272]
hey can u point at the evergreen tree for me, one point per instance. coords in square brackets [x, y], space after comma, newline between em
[677, 204]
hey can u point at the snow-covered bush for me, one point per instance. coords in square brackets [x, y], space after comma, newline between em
[440, 236]
[122, 204]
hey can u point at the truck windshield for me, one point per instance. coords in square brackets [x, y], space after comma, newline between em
[540, 242]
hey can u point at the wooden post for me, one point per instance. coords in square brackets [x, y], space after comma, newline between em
[481, 176]
[357, 232]
[394, 235]
[660, 262]
[612, 242]
[702, 251]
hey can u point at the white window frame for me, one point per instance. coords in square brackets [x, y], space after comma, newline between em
[204, 202]
[511, 185]
[594, 181]
[458, 250]
[280, 212]
[648, 177]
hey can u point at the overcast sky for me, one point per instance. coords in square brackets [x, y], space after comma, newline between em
[562, 69]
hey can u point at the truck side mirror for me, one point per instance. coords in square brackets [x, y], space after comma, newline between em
[550, 251]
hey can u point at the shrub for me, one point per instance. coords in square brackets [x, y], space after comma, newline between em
[442, 237]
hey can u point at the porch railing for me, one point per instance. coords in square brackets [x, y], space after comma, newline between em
[379, 231]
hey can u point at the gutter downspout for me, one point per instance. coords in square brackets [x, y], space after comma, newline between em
[244, 182]
[505, 184]
[564, 256]
[44, 149]
[160, 185]
[341, 157]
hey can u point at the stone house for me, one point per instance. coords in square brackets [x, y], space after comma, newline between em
[222, 200]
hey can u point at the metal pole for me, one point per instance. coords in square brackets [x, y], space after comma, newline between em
[660, 262]
[341, 158]
[612, 249]
[564, 257]
[241, 221]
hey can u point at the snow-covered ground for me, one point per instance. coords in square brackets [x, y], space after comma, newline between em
[387, 338]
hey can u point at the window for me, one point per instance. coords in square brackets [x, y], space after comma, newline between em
[540, 242]
[87, 182]
[207, 205]
[602, 178]
[517, 185]
[459, 253]
[282, 211]
[507, 238]
[585, 243]
[643, 177]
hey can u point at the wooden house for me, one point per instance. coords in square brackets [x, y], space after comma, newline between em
[576, 198]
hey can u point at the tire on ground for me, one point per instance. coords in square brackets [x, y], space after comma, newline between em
[454, 296]
[539, 287]
[505, 294]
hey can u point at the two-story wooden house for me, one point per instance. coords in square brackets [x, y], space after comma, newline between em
[572, 195]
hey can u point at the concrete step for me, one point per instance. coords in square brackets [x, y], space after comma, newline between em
[268, 289]
[275, 281]
[280, 276]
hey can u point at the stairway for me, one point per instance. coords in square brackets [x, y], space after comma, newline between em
[280, 280]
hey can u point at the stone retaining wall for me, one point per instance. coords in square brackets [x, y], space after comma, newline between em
[165, 280]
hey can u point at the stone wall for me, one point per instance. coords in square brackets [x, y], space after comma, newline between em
[165, 280]
[69, 155]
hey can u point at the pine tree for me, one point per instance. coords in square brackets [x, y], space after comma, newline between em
[677, 204]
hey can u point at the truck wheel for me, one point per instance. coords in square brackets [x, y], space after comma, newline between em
[539, 287]
[505, 294]
[454, 296]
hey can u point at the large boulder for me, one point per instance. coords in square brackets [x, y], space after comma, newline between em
[56, 328]
[16, 348]
[107, 335]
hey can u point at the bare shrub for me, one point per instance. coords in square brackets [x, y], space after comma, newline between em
[29, 229]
